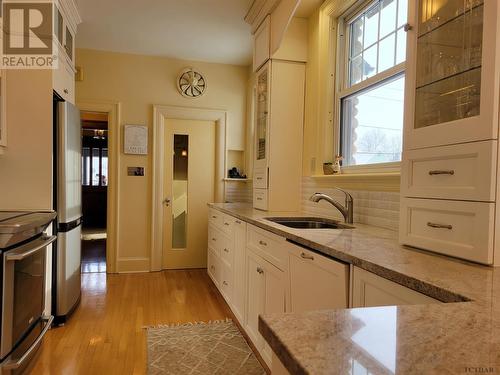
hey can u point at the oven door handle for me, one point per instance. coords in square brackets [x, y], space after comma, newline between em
[23, 254]
[12, 365]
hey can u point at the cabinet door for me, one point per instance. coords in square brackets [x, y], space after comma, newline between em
[262, 105]
[262, 44]
[316, 282]
[255, 297]
[69, 43]
[452, 73]
[240, 233]
[213, 267]
[370, 290]
[274, 300]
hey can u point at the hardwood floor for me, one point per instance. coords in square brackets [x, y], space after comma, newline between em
[106, 336]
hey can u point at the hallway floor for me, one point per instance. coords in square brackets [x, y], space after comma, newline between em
[94, 256]
[106, 335]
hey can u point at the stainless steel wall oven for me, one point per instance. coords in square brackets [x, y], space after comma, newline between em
[23, 247]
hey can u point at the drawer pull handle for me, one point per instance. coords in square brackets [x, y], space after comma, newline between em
[440, 226]
[260, 270]
[66, 91]
[439, 172]
[224, 283]
[259, 199]
[238, 222]
[305, 256]
[214, 239]
[214, 217]
[263, 243]
[226, 224]
[212, 267]
[259, 178]
[226, 250]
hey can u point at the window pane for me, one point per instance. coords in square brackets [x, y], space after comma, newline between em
[357, 37]
[374, 41]
[104, 167]
[356, 70]
[401, 47]
[386, 53]
[372, 124]
[370, 62]
[387, 17]
[95, 167]
[86, 166]
[371, 25]
[180, 192]
[402, 12]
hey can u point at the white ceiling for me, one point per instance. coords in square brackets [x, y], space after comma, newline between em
[200, 30]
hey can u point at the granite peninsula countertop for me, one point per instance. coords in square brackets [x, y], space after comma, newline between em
[461, 336]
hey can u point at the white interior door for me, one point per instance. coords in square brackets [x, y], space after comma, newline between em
[189, 184]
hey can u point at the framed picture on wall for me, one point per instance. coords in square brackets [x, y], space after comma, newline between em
[135, 140]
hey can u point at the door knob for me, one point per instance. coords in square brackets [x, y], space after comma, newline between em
[166, 202]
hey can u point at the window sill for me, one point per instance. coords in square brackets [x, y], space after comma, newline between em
[385, 181]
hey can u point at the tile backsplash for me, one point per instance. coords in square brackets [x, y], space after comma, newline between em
[237, 191]
[375, 208]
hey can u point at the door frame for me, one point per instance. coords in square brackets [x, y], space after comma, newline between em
[160, 114]
[112, 216]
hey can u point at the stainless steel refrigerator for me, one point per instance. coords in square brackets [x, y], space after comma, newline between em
[68, 204]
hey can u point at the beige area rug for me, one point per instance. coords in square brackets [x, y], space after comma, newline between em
[200, 348]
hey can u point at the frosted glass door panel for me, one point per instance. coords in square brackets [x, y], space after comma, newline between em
[262, 113]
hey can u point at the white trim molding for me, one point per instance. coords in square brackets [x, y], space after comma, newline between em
[113, 210]
[160, 114]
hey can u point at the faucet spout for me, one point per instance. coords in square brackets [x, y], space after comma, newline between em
[346, 211]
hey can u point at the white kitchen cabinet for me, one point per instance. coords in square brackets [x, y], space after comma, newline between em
[453, 73]
[66, 20]
[262, 44]
[370, 290]
[316, 282]
[239, 269]
[279, 116]
[266, 292]
[451, 130]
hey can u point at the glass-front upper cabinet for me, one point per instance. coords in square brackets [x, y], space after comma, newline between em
[453, 72]
[262, 116]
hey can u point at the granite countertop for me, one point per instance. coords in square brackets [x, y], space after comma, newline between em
[459, 337]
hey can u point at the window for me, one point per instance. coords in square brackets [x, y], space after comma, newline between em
[94, 166]
[371, 93]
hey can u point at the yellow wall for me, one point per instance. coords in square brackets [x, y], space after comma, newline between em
[139, 82]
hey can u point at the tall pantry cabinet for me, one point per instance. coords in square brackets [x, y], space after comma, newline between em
[279, 118]
[449, 170]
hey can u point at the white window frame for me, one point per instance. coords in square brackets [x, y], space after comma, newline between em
[343, 90]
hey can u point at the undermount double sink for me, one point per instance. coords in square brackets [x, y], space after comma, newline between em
[308, 223]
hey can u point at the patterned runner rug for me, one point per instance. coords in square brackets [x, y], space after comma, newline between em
[200, 348]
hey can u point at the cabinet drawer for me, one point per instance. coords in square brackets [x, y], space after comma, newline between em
[227, 253]
[465, 172]
[215, 218]
[213, 267]
[260, 199]
[268, 246]
[227, 224]
[460, 229]
[214, 239]
[226, 282]
[260, 178]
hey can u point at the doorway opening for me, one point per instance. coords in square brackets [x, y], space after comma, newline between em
[95, 153]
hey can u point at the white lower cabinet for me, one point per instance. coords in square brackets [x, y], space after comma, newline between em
[239, 281]
[266, 294]
[260, 273]
[369, 290]
[316, 282]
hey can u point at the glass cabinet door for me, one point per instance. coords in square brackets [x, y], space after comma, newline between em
[449, 61]
[262, 113]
